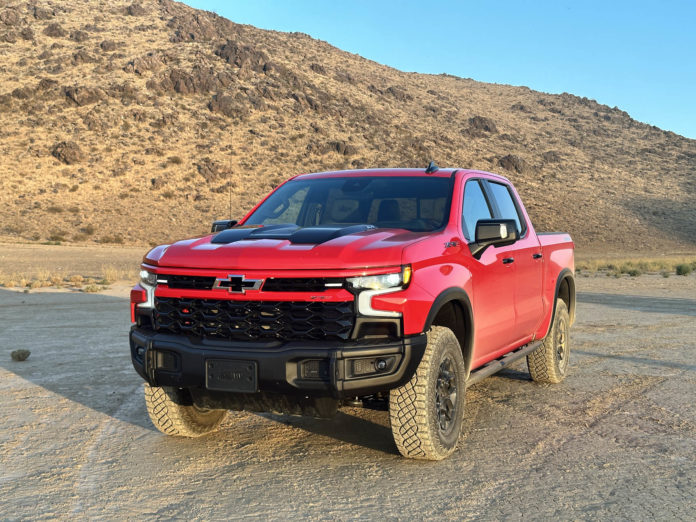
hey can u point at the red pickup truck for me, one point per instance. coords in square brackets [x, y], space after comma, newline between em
[347, 288]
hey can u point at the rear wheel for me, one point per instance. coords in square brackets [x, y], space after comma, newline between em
[173, 414]
[549, 362]
[426, 412]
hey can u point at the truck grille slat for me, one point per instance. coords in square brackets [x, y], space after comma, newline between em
[189, 282]
[254, 320]
[301, 284]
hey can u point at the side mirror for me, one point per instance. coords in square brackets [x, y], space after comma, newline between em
[223, 224]
[493, 232]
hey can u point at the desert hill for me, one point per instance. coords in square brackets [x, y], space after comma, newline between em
[130, 122]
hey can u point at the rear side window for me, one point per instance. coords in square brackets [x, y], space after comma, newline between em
[475, 208]
[506, 205]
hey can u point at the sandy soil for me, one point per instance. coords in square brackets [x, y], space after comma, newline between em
[28, 259]
[615, 440]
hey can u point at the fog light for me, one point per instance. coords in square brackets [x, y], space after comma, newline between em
[371, 366]
[315, 369]
[363, 366]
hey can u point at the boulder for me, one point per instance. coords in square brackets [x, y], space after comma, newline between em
[10, 17]
[136, 10]
[41, 13]
[514, 163]
[82, 96]
[108, 45]
[20, 355]
[55, 30]
[68, 152]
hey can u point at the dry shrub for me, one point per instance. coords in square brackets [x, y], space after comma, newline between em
[88, 230]
[43, 274]
[117, 239]
[684, 269]
[632, 266]
[110, 274]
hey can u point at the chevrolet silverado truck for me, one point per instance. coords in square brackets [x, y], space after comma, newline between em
[340, 288]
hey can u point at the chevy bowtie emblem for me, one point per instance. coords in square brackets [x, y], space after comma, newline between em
[237, 284]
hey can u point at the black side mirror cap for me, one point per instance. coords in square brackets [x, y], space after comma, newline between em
[223, 224]
[493, 232]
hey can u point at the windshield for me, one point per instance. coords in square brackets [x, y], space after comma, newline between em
[418, 204]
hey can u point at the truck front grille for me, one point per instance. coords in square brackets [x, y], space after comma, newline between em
[272, 284]
[301, 284]
[188, 282]
[254, 320]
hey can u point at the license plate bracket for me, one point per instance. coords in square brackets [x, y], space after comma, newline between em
[231, 375]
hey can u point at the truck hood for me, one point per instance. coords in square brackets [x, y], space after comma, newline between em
[279, 247]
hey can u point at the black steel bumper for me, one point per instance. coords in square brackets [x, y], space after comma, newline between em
[319, 369]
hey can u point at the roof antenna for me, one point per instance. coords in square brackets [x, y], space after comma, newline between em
[431, 168]
[229, 187]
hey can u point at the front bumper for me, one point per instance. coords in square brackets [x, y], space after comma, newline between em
[319, 369]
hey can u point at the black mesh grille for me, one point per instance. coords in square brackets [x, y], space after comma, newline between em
[301, 284]
[273, 284]
[188, 282]
[254, 320]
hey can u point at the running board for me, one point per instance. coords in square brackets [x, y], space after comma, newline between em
[501, 362]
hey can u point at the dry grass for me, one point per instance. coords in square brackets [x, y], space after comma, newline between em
[680, 265]
[44, 278]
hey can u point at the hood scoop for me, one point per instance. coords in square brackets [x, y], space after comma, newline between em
[292, 233]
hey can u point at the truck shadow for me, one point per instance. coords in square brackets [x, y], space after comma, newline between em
[356, 426]
[660, 305]
[79, 351]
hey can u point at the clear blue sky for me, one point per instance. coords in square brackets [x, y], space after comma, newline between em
[639, 56]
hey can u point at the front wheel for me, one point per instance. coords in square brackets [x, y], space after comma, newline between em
[172, 414]
[549, 362]
[426, 412]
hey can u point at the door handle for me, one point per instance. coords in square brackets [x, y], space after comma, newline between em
[508, 260]
[537, 256]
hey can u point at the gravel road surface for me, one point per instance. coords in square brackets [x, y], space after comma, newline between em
[615, 440]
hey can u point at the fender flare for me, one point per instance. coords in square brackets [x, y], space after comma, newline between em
[459, 295]
[564, 275]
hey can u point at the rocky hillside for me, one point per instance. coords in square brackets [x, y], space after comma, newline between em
[132, 122]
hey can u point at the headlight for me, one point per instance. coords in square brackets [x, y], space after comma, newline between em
[382, 281]
[148, 278]
[370, 286]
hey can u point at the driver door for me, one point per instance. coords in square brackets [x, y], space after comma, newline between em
[493, 279]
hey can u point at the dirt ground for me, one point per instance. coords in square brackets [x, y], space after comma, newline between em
[615, 440]
[29, 259]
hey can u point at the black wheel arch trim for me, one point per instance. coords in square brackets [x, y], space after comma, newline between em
[446, 296]
[565, 274]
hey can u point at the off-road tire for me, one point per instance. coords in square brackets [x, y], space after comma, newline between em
[413, 411]
[170, 414]
[549, 362]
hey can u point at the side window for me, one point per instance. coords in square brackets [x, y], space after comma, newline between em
[506, 205]
[475, 208]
